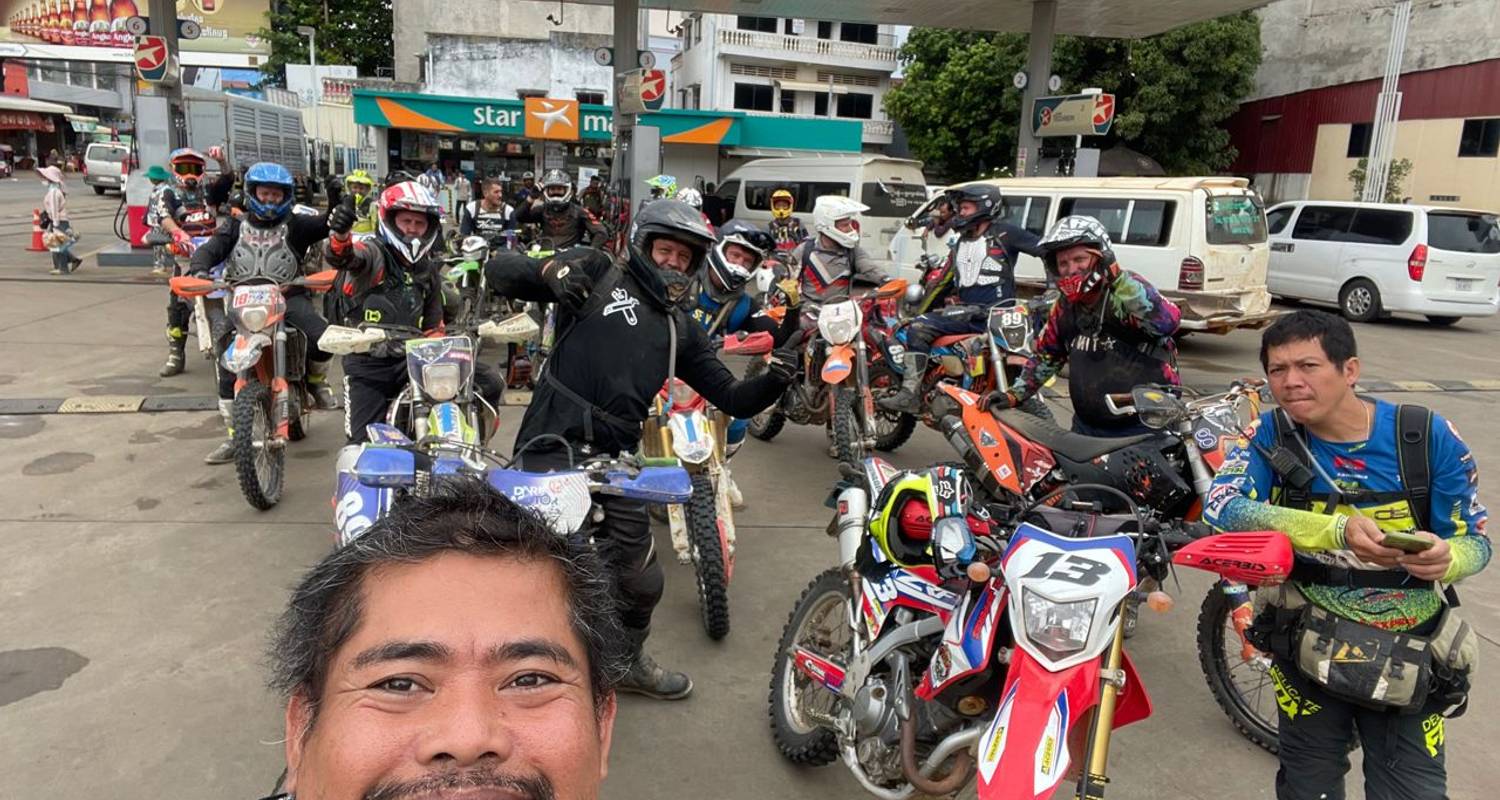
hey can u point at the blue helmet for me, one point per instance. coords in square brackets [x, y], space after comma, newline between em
[267, 174]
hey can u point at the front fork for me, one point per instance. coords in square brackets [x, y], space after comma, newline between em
[1112, 680]
[281, 410]
[865, 399]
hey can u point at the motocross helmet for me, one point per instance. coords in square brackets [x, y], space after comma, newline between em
[393, 178]
[829, 210]
[266, 173]
[187, 166]
[677, 221]
[907, 507]
[984, 195]
[557, 189]
[725, 277]
[1078, 231]
[691, 196]
[782, 203]
[474, 248]
[663, 185]
[408, 196]
[359, 178]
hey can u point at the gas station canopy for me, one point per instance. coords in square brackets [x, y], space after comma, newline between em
[1104, 18]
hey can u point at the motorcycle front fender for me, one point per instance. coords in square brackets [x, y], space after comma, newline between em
[692, 436]
[839, 364]
[1024, 753]
[244, 351]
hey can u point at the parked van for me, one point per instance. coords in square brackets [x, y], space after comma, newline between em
[893, 188]
[104, 166]
[1200, 241]
[1377, 258]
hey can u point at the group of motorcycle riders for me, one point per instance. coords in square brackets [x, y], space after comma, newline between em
[628, 320]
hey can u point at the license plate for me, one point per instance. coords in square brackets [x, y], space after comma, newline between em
[1464, 284]
[254, 296]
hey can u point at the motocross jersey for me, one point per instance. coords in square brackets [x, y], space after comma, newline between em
[716, 317]
[560, 229]
[189, 209]
[982, 270]
[826, 276]
[364, 210]
[787, 233]
[1365, 477]
[484, 222]
[154, 206]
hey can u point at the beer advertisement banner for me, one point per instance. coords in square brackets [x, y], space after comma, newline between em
[224, 26]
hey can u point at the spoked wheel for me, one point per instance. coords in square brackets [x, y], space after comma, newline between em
[765, 425]
[708, 558]
[892, 428]
[1242, 687]
[848, 434]
[798, 704]
[259, 462]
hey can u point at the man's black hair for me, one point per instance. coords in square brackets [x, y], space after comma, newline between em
[1330, 331]
[464, 515]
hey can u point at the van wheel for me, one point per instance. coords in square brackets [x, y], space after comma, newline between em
[1360, 301]
[98, 190]
[1440, 320]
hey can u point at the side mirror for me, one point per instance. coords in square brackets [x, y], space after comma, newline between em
[892, 288]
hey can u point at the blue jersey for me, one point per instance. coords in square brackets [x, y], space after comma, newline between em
[735, 318]
[1246, 490]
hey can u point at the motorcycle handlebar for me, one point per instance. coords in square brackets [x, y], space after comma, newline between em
[1120, 403]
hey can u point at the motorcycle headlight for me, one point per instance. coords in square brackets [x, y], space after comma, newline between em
[840, 331]
[253, 318]
[440, 381]
[1057, 629]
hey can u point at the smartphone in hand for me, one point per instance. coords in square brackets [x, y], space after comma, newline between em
[1407, 542]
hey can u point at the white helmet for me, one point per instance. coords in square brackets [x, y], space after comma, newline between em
[475, 248]
[829, 209]
[691, 196]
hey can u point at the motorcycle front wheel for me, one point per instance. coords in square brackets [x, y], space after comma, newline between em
[817, 624]
[892, 428]
[708, 558]
[765, 425]
[260, 465]
[1243, 689]
[848, 434]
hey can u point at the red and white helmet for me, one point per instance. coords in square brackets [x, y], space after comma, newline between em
[408, 196]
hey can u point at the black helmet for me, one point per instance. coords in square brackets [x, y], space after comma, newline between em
[395, 177]
[725, 278]
[557, 189]
[680, 222]
[985, 195]
[1078, 231]
[758, 237]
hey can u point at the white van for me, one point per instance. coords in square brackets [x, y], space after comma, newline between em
[893, 188]
[104, 166]
[1376, 258]
[1200, 241]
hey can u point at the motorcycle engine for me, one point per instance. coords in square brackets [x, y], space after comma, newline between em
[873, 713]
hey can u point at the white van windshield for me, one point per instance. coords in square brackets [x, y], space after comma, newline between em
[1462, 232]
[1236, 219]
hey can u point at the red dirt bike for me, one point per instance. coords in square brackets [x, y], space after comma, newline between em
[1002, 664]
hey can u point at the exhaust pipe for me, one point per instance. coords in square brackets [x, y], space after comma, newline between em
[963, 763]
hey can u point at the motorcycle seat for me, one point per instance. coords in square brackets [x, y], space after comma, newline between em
[944, 341]
[1072, 446]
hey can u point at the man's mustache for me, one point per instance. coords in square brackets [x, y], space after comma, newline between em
[531, 787]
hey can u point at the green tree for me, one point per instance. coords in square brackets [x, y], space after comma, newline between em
[354, 32]
[1172, 90]
[1394, 180]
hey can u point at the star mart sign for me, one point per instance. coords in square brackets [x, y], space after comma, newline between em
[430, 112]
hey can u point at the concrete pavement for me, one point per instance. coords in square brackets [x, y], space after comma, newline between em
[136, 586]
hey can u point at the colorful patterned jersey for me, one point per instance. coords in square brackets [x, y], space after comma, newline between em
[1246, 490]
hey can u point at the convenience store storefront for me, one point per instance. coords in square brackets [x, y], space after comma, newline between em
[485, 137]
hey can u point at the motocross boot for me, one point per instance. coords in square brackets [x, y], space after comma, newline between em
[736, 497]
[909, 399]
[649, 678]
[224, 453]
[317, 384]
[176, 353]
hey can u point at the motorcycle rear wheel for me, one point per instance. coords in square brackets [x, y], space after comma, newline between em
[765, 425]
[799, 739]
[708, 558]
[1252, 708]
[261, 467]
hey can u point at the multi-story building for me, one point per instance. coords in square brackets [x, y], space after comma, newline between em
[789, 67]
[1309, 121]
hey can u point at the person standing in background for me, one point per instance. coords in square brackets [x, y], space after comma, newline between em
[55, 210]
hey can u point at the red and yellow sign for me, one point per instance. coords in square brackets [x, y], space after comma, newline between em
[548, 118]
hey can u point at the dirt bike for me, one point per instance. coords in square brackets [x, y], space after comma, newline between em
[391, 466]
[1003, 663]
[271, 402]
[834, 350]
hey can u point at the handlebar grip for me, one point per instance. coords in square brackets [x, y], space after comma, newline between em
[660, 461]
[1120, 403]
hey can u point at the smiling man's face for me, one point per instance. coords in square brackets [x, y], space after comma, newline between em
[463, 679]
[1306, 382]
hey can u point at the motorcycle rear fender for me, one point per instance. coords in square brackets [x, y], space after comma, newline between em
[839, 364]
[917, 588]
[1257, 558]
[244, 351]
[1024, 753]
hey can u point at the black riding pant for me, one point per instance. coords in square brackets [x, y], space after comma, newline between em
[624, 542]
[921, 332]
[1403, 753]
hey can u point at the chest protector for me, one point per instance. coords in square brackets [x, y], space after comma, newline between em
[193, 214]
[263, 254]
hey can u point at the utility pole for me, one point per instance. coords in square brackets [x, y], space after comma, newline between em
[1387, 109]
[312, 58]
